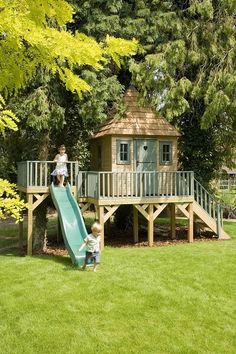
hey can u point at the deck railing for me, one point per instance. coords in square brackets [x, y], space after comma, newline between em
[208, 202]
[38, 173]
[135, 184]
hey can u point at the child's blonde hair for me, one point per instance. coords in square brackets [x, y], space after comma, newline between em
[62, 147]
[96, 227]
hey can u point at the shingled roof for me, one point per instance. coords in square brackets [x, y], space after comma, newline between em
[138, 121]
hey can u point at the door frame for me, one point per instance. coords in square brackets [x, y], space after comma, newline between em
[135, 151]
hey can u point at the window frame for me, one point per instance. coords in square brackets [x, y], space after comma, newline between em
[161, 145]
[119, 142]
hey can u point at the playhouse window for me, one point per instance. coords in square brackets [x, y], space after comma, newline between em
[165, 152]
[123, 152]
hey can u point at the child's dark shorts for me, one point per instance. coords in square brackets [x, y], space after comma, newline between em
[91, 257]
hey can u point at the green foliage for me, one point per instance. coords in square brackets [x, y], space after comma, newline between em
[34, 33]
[185, 68]
[7, 118]
[191, 76]
[33, 37]
[10, 202]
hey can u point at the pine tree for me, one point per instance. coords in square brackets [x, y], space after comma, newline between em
[185, 67]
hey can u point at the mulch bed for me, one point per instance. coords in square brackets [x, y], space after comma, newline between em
[124, 239]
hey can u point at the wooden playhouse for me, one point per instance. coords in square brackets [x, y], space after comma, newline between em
[133, 161]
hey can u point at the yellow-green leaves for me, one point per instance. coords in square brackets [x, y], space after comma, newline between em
[117, 48]
[10, 202]
[33, 33]
[7, 118]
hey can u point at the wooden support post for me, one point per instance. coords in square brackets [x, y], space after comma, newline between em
[190, 222]
[20, 235]
[150, 225]
[21, 230]
[135, 224]
[218, 221]
[172, 221]
[101, 221]
[30, 225]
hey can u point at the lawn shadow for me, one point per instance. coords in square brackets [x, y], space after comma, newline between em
[15, 251]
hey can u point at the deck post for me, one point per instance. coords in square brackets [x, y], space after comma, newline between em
[30, 225]
[135, 224]
[20, 235]
[218, 221]
[101, 222]
[21, 229]
[172, 221]
[150, 225]
[190, 222]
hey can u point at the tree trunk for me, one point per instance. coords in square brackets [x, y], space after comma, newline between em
[40, 222]
[40, 227]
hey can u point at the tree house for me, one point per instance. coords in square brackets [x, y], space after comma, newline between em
[133, 161]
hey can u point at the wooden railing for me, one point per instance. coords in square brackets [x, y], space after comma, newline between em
[101, 185]
[208, 202]
[38, 173]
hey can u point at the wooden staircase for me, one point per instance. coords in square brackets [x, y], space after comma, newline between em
[208, 210]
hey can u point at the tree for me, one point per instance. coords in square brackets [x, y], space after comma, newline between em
[33, 33]
[186, 68]
[190, 78]
[33, 37]
[10, 202]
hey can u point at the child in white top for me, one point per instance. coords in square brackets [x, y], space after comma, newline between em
[61, 169]
[92, 243]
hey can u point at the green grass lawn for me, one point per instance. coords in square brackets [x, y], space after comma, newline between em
[227, 197]
[176, 299]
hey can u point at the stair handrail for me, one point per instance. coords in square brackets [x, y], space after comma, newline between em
[213, 207]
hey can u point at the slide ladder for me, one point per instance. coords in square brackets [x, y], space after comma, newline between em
[208, 209]
[71, 222]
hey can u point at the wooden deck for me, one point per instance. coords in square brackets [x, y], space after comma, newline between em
[35, 176]
[135, 187]
[149, 193]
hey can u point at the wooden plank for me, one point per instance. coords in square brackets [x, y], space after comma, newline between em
[159, 209]
[218, 221]
[108, 184]
[21, 234]
[112, 184]
[172, 221]
[190, 223]
[110, 212]
[31, 173]
[21, 230]
[39, 201]
[142, 211]
[134, 200]
[101, 222]
[135, 224]
[182, 208]
[85, 207]
[40, 174]
[150, 225]
[141, 184]
[30, 225]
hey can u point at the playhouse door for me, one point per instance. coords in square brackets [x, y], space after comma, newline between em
[146, 160]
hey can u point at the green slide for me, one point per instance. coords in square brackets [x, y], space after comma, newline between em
[71, 221]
